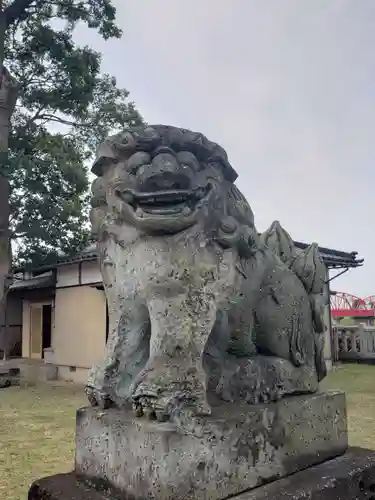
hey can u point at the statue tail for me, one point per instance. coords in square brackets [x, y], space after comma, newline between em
[308, 265]
[298, 354]
[296, 349]
[319, 329]
[320, 363]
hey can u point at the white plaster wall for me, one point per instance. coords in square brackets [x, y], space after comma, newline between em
[90, 272]
[67, 275]
[79, 326]
[79, 376]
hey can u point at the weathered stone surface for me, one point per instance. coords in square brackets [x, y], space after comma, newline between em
[348, 477]
[199, 303]
[233, 450]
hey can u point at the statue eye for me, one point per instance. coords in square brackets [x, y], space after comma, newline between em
[138, 160]
[188, 160]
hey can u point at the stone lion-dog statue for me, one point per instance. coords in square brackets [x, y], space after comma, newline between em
[202, 308]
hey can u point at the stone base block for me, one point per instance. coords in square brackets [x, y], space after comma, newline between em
[350, 477]
[234, 450]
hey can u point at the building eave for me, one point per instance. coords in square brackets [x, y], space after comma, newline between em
[333, 259]
[45, 280]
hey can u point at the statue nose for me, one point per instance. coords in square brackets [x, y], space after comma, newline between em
[165, 173]
[164, 163]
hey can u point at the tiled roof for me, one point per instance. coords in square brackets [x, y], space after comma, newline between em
[335, 258]
[42, 281]
[332, 258]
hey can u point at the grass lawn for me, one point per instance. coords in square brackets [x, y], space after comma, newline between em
[37, 426]
[358, 381]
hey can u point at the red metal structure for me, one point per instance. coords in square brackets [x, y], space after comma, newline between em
[347, 305]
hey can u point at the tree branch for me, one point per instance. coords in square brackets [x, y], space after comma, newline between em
[17, 236]
[36, 116]
[57, 119]
[18, 10]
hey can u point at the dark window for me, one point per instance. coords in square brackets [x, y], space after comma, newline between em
[47, 326]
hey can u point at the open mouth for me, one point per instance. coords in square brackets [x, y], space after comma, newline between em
[167, 202]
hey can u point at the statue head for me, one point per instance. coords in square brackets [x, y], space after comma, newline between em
[162, 180]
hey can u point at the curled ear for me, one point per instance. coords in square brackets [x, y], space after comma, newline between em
[98, 221]
[236, 227]
[228, 233]
[98, 192]
[237, 205]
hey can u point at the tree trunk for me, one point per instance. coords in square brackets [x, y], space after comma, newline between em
[8, 98]
[5, 260]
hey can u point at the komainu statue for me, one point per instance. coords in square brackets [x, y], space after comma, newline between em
[202, 308]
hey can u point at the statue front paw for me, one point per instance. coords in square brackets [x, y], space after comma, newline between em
[169, 405]
[98, 398]
[162, 392]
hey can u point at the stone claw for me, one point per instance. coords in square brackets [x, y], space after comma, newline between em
[265, 395]
[138, 409]
[98, 398]
[90, 394]
[161, 407]
[147, 406]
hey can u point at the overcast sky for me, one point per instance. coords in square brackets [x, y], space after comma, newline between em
[286, 87]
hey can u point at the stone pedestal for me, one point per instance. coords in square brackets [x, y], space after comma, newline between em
[350, 476]
[234, 450]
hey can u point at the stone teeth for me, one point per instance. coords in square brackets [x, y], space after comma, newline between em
[164, 199]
